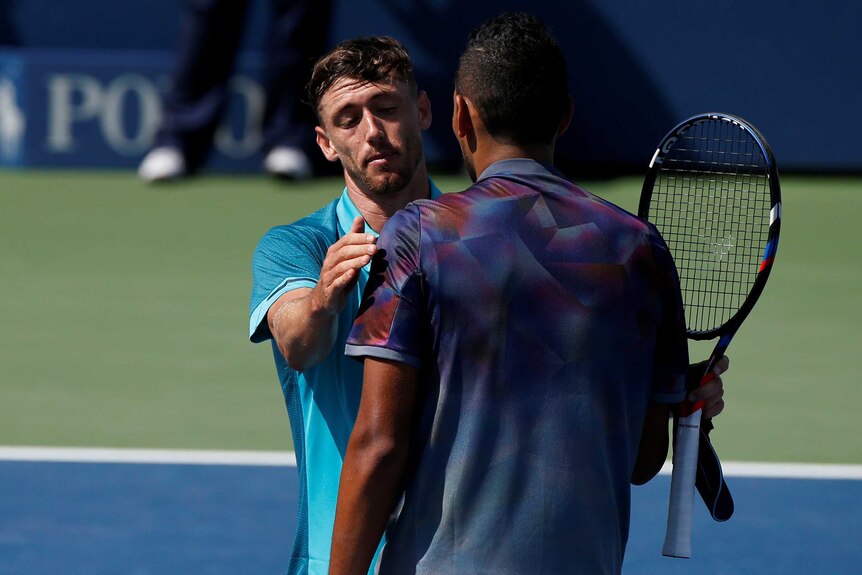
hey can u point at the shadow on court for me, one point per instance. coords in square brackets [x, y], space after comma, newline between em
[140, 519]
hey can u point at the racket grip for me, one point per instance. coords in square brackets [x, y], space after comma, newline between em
[677, 541]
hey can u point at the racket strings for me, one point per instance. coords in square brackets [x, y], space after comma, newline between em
[711, 203]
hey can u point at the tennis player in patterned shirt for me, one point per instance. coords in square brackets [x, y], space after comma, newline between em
[523, 342]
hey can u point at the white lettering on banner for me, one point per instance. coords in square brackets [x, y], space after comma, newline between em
[251, 137]
[76, 99]
[71, 98]
[113, 113]
[12, 121]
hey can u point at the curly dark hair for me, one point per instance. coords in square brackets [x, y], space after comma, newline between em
[514, 72]
[373, 59]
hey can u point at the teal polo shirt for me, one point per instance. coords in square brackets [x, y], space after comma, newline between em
[322, 402]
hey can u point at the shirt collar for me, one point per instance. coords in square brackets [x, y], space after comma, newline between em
[521, 166]
[346, 210]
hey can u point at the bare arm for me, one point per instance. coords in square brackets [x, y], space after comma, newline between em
[304, 322]
[653, 448]
[373, 465]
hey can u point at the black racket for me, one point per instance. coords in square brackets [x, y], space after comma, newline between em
[713, 193]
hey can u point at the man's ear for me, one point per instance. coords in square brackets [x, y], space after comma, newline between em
[424, 105]
[325, 145]
[462, 123]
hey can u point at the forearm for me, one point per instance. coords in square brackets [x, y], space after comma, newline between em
[374, 464]
[304, 322]
[368, 492]
[304, 332]
[655, 441]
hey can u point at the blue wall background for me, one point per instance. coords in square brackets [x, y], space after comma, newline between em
[637, 68]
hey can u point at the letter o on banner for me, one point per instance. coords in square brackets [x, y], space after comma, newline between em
[114, 114]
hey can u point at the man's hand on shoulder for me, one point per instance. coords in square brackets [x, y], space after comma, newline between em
[340, 270]
[304, 322]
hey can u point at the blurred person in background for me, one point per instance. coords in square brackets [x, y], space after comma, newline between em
[196, 99]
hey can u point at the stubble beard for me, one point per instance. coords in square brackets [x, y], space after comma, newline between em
[390, 182]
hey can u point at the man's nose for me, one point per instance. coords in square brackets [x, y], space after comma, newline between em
[373, 127]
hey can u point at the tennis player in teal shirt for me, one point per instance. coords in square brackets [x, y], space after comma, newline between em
[309, 275]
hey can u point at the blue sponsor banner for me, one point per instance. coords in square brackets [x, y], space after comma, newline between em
[13, 110]
[636, 70]
[101, 108]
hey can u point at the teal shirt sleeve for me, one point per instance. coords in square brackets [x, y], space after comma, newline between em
[286, 258]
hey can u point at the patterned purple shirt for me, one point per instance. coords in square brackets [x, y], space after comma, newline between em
[544, 320]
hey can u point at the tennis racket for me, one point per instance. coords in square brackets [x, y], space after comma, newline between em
[712, 191]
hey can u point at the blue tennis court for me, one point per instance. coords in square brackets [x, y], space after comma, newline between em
[82, 518]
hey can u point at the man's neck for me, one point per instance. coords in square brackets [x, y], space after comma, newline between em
[376, 209]
[493, 152]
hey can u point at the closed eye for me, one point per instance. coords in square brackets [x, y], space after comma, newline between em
[347, 121]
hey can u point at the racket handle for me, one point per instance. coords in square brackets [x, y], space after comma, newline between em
[677, 541]
[686, 444]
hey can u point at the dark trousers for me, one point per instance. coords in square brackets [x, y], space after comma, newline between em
[211, 31]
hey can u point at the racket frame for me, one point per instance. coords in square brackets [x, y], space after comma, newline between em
[687, 432]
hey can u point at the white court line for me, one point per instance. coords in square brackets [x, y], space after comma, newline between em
[168, 456]
[288, 458]
[785, 470]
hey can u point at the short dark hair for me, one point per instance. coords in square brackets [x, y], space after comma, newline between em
[373, 59]
[514, 72]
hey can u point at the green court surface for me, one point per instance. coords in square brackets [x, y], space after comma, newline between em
[123, 316]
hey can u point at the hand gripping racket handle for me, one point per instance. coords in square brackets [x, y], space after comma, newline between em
[677, 541]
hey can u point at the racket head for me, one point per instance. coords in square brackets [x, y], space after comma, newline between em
[713, 193]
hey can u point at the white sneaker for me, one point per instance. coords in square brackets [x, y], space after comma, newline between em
[288, 163]
[164, 163]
